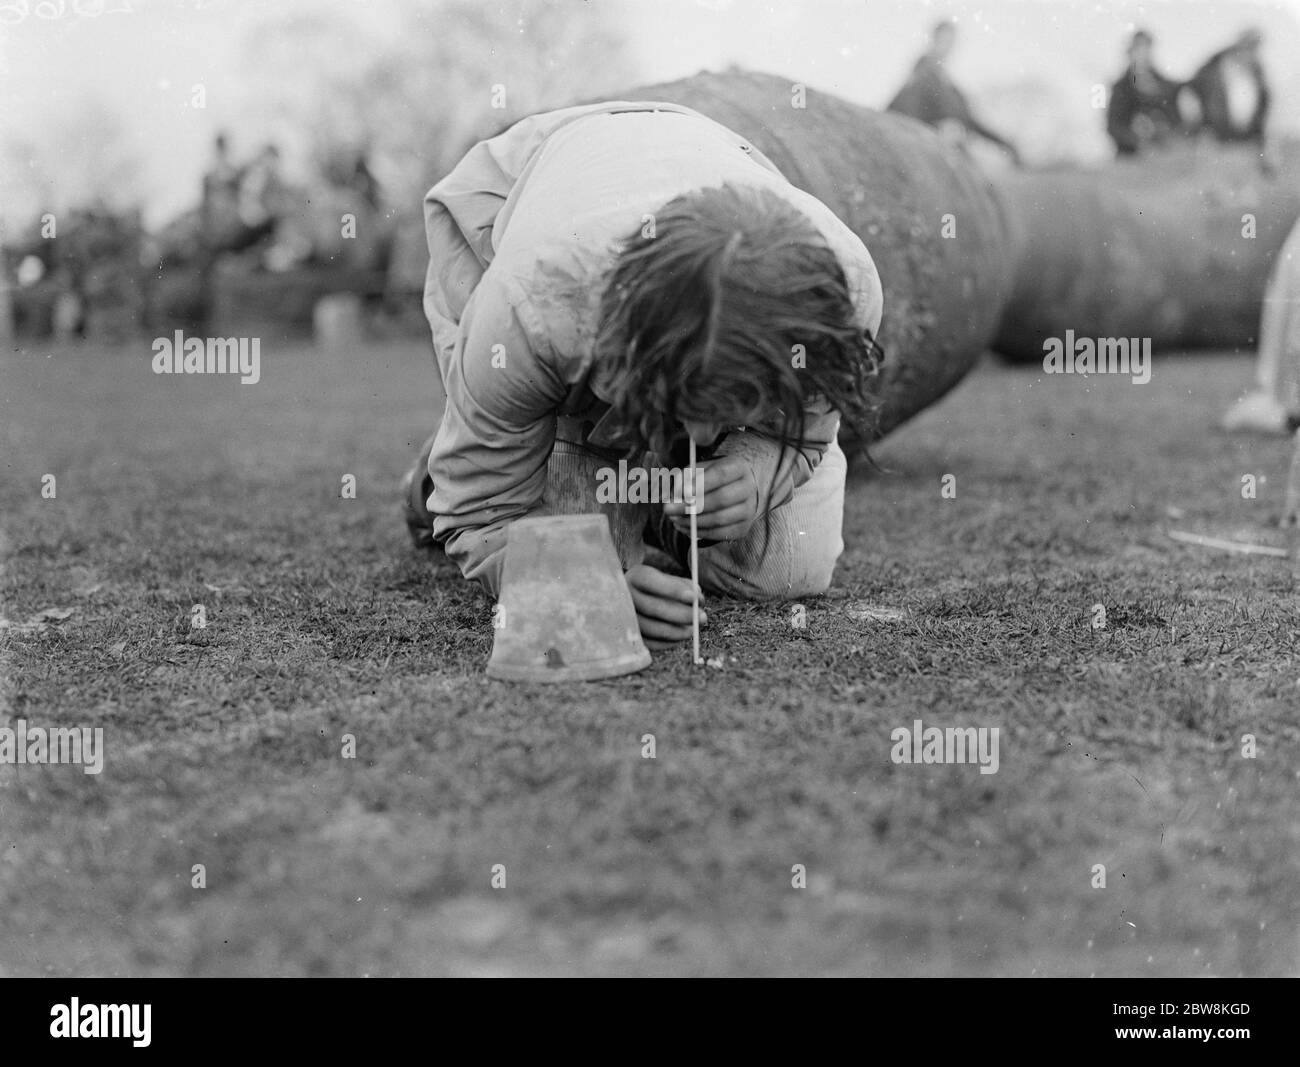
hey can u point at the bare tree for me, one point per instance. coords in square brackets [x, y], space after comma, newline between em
[85, 158]
[415, 93]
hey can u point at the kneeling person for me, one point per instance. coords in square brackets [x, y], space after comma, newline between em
[610, 282]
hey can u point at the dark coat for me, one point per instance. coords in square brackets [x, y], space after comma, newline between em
[1127, 102]
[1211, 89]
[932, 97]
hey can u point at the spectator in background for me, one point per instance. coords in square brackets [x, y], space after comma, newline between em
[364, 181]
[1273, 406]
[261, 190]
[1233, 92]
[221, 182]
[1143, 108]
[930, 95]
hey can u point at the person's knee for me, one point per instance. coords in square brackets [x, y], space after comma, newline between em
[793, 552]
[574, 475]
[810, 568]
[812, 575]
[794, 566]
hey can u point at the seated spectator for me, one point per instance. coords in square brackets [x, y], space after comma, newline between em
[930, 95]
[1143, 107]
[1233, 92]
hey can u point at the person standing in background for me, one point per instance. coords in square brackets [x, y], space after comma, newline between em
[261, 191]
[219, 205]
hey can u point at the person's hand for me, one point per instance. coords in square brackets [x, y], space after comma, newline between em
[727, 499]
[663, 605]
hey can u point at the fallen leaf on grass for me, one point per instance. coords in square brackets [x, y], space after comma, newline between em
[37, 622]
[52, 614]
[1243, 547]
[863, 612]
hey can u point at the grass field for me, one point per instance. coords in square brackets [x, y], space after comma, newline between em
[1119, 746]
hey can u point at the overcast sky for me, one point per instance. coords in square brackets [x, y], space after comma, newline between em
[141, 64]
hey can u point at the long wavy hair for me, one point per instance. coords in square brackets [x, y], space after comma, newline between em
[734, 312]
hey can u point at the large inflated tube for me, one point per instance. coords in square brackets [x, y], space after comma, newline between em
[892, 181]
[1176, 248]
[1160, 248]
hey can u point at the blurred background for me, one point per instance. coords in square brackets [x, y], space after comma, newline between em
[256, 170]
[172, 163]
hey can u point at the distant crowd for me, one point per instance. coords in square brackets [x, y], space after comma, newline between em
[249, 193]
[1227, 98]
[241, 203]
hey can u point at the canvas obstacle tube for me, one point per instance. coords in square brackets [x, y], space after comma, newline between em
[1157, 249]
[892, 181]
[1175, 248]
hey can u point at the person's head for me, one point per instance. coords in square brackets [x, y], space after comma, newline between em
[942, 38]
[221, 145]
[734, 313]
[1247, 44]
[1139, 48]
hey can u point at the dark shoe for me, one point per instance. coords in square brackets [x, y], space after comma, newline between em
[416, 487]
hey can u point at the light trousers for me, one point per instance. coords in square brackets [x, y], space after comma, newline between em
[792, 555]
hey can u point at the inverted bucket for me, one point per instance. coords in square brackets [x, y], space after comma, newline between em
[565, 613]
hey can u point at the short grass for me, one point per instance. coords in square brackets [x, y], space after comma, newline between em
[1119, 746]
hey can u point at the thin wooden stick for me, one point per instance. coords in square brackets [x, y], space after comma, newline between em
[1244, 547]
[695, 561]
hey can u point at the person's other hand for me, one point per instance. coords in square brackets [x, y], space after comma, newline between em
[728, 501]
[663, 605]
